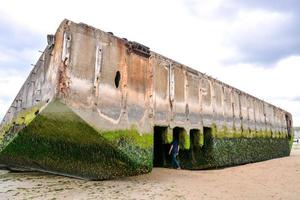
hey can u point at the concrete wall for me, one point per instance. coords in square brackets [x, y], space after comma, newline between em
[153, 91]
[81, 69]
[89, 81]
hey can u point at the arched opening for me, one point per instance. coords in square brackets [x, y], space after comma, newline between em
[159, 148]
[207, 134]
[288, 126]
[177, 132]
[180, 135]
[196, 139]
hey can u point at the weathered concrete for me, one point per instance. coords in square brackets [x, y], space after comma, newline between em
[122, 90]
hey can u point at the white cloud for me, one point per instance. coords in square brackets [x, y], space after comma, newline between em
[273, 82]
[257, 19]
[14, 55]
[166, 26]
[5, 57]
[10, 84]
[4, 105]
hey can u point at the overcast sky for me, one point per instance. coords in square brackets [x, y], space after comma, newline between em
[253, 45]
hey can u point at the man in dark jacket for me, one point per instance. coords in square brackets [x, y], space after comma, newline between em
[174, 150]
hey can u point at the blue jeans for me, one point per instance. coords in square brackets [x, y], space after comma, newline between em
[175, 163]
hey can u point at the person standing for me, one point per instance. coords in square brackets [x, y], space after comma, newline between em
[174, 150]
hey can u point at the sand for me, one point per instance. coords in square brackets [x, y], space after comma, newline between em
[272, 179]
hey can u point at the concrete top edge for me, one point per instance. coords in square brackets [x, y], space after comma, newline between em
[67, 22]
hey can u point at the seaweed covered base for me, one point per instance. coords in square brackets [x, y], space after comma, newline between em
[221, 148]
[59, 141]
[222, 152]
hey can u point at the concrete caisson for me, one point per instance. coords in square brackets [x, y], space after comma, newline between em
[97, 106]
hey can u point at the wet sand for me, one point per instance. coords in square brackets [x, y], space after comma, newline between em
[273, 179]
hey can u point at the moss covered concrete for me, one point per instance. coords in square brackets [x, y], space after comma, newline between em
[23, 118]
[228, 147]
[235, 151]
[59, 141]
[184, 140]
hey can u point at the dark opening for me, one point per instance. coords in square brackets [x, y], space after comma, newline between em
[176, 133]
[117, 79]
[37, 112]
[159, 151]
[288, 126]
[207, 132]
[195, 139]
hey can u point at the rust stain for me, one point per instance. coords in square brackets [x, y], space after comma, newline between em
[63, 80]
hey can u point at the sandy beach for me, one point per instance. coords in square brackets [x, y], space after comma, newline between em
[272, 179]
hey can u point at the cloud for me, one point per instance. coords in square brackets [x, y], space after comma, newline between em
[277, 82]
[5, 57]
[18, 59]
[256, 31]
[14, 36]
[297, 98]
[18, 45]
[264, 37]
[18, 49]
[287, 5]
[10, 83]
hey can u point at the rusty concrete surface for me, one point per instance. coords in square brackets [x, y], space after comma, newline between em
[80, 69]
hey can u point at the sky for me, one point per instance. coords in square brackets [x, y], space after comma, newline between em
[253, 45]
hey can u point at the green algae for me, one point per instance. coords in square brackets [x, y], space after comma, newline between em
[184, 140]
[221, 152]
[201, 139]
[142, 140]
[23, 118]
[26, 116]
[224, 132]
[138, 147]
[6, 127]
[291, 139]
[227, 147]
[168, 137]
[198, 138]
[59, 141]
